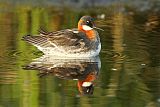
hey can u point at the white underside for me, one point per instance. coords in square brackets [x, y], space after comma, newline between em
[62, 53]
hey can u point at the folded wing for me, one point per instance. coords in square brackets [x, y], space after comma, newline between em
[65, 39]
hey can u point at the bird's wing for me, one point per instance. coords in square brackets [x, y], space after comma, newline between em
[67, 39]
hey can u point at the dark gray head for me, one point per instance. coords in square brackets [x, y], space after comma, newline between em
[86, 23]
[88, 90]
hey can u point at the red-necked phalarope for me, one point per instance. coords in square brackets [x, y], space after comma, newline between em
[81, 42]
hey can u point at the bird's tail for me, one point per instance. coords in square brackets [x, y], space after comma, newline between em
[36, 40]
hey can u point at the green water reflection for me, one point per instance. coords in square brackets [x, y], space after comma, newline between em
[130, 58]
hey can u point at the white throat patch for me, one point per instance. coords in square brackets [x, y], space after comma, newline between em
[85, 27]
[87, 84]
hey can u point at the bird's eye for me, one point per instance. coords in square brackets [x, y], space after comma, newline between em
[89, 23]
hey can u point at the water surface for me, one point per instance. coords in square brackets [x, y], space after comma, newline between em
[126, 74]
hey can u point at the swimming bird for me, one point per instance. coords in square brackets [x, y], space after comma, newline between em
[83, 41]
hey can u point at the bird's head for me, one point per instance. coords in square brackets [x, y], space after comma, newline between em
[86, 23]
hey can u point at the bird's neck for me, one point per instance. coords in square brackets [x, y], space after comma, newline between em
[91, 34]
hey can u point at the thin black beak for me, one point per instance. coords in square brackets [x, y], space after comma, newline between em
[98, 28]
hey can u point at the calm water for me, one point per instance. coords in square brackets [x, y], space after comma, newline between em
[126, 74]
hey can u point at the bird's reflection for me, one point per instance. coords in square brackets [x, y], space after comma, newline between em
[85, 71]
